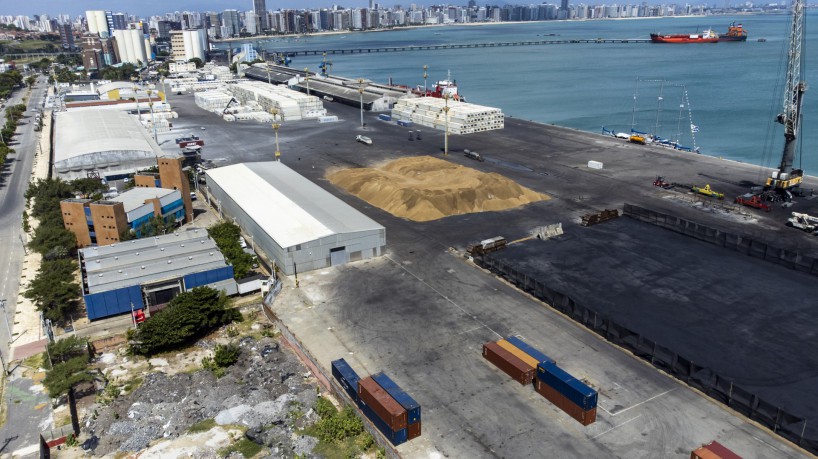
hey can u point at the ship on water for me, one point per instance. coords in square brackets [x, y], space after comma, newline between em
[734, 33]
[708, 36]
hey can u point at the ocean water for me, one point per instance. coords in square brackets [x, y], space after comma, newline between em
[734, 89]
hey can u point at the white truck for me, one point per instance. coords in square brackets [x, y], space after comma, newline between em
[804, 222]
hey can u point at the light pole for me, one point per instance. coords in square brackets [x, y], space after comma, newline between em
[425, 75]
[446, 137]
[307, 77]
[276, 125]
[153, 120]
[361, 86]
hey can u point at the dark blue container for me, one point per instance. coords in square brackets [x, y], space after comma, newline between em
[534, 353]
[347, 377]
[396, 437]
[408, 403]
[572, 388]
[385, 117]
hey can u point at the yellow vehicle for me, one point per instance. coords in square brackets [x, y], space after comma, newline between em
[636, 139]
[707, 191]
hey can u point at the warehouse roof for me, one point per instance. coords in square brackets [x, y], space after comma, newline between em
[136, 197]
[338, 91]
[94, 132]
[278, 75]
[152, 259]
[303, 211]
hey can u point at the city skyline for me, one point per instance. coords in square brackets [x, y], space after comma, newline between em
[147, 8]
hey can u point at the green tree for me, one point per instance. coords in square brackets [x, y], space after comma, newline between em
[197, 61]
[31, 80]
[86, 186]
[68, 368]
[188, 317]
[226, 235]
[53, 241]
[54, 290]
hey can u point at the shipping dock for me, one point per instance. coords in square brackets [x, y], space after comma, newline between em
[695, 310]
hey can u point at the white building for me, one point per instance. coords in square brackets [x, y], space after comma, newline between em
[130, 45]
[97, 22]
[187, 44]
[291, 220]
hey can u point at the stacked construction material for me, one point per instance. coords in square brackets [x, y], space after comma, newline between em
[391, 410]
[290, 105]
[213, 101]
[566, 392]
[464, 118]
[520, 360]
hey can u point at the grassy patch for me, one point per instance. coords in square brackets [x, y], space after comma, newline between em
[132, 385]
[34, 362]
[202, 426]
[245, 447]
[340, 433]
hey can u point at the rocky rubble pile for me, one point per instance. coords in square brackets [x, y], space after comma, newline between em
[267, 391]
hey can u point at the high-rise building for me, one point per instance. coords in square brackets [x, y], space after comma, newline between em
[260, 8]
[251, 23]
[97, 52]
[564, 5]
[66, 35]
[118, 21]
[163, 28]
[230, 23]
[187, 44]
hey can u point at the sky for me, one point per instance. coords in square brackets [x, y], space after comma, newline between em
[146, 8]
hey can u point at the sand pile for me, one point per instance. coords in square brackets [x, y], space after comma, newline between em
[424, 188]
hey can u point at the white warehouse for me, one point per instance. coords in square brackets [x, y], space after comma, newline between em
[291, 220]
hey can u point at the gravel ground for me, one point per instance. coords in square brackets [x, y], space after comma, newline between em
[267, 391]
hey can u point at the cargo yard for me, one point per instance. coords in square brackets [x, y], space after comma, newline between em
[422, 313]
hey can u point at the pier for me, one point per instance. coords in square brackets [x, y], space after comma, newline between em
[399, 49]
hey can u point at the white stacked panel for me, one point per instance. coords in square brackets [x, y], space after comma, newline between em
[213, 101]
[464, 118]
[290, 105]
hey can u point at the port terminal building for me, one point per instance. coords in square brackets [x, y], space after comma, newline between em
[293, 222]
[108, 144]
[145, 274]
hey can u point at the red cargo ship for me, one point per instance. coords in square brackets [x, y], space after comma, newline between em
[708, 36]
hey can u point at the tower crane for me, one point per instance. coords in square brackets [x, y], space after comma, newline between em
[786, 179]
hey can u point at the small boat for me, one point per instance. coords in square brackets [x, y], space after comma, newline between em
[734, 33]
[708, 36]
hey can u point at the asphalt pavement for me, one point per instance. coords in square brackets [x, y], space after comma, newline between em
[24, 422]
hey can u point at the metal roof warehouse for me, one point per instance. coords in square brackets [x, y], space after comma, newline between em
[148, 273]
[293, 221]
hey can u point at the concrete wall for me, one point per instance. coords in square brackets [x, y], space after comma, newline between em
[109, 222]
[74, 219]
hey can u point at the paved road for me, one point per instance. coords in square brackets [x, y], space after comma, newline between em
[27, 409]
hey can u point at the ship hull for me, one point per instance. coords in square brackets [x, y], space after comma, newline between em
[727, 38]
[659, 38]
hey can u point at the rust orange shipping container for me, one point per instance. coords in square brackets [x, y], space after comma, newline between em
[585, 417]
[506, 361]
[390, 411]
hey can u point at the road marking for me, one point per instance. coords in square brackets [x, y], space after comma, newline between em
[641, 403]
[615, 427]
[474, 317]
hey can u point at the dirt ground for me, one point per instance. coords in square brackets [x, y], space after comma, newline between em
[424, 188]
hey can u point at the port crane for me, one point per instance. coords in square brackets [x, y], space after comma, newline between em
[786, 179]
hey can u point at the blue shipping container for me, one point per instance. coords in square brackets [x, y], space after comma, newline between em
[534, 353]
[567, 385]
[385, 117]
[404, 123]
[347, 377]
[396, 437]
[412, 407]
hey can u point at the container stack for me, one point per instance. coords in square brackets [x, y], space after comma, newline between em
[464, 118]
[525, 364]
[713, 450]
[566, 392]
[390, 409]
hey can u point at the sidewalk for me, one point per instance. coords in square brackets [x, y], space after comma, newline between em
[27, 326]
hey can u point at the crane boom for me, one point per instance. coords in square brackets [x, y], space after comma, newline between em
[786, 177]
